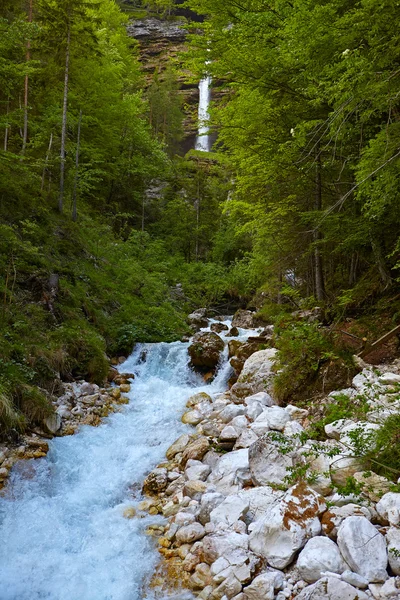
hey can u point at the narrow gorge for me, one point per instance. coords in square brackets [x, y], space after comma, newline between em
[199, 300]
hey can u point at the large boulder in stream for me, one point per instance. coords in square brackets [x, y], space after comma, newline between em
[205, 350]
[218, 327]
[244, 319]
[256, 375]
[239, 352]
[198, 319]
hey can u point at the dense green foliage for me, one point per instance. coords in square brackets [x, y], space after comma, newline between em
[310, 122]
[302, 348]
[100, 219]
[89, 262]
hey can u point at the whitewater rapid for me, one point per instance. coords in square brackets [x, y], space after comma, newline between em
[62, 531]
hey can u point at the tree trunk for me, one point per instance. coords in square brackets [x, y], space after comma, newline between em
[319, 273]
[380, 262]
[143, 211]
[64, 122]
[46, 161]
[78, 143]
[353, 268]
[6, 129]
[26, 94]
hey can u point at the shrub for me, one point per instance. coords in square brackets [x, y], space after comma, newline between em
[384, 452]
[302, 348]
[339, 406]
[10, 417]
[34, 404]
[84, 352]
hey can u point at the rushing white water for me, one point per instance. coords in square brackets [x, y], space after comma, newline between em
[203, 139]
[62, 531]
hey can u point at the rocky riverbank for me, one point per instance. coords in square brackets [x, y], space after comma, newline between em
[81, 403]
[257, 510]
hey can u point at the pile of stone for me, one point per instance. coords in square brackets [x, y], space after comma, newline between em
[86, 403]
[82, 403]
[241, 525]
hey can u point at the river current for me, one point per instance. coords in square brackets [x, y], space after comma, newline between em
[62, 531]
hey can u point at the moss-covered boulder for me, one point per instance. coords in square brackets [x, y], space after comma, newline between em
[205, 350]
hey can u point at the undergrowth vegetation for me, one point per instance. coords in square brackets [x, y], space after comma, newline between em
[74, 294]
[308, 360]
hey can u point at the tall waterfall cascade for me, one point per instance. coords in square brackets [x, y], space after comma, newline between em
[62, 530]
[203, 138]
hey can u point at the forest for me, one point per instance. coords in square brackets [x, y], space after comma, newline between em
[295, 206]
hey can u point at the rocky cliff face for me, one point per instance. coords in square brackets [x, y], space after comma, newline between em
[161, 44]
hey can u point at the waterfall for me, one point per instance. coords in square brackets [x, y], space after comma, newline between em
[203, 139]
[62, 530]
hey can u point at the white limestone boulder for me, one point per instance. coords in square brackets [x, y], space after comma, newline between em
[363, 548]
[246, 439]
[259, 499]
[389, 379]
[229, 434]
[365, 379]
[230, 412]
[195, 450]
[52, 423]
[209, 501]
[331, 588]
[275, 417]
[354, 579]
[292, 429]
[229, 588]
[296, 413]
[285, 528]
[388, 508]
[390, 589]
[319, 462]
[361, 431]
[320, 554]
[178, 446]
[267, 463]
[262, 398]
[229, 471]
[393, 546]
[197, 399]
[263, 586]
[240, 423]
[220, 565]
[257, 370]
[342, 467]
[373, 485]
[254, 410]
[334, 430]
[196, 470]
[232, 509]
[184, 518]
[190, 533]
[192, 417]
[194, 489]
[234, 547]
[260, 426]
[334, 517]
